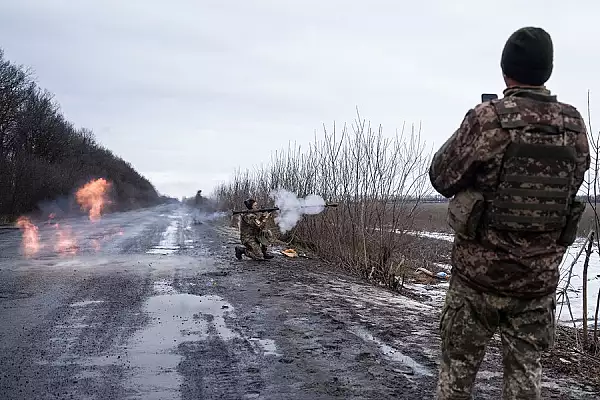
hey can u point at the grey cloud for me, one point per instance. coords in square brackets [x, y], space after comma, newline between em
[189, 90]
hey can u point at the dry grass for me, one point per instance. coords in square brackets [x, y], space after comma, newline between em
[431, 217]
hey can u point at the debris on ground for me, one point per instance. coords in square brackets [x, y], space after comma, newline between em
[442, 275]
[289, 253]
[567, 358]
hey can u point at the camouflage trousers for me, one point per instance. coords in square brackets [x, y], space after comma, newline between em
[254, 248]
[469, 320]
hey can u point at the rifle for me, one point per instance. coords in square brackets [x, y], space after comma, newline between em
[277, 208]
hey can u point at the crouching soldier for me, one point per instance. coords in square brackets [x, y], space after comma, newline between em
[254, 235]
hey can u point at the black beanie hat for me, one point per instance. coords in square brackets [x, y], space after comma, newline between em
[528, 56]
[249, 203]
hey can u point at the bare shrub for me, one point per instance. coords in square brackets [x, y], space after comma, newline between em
[378, 181]
[592, 223]
[589, 228]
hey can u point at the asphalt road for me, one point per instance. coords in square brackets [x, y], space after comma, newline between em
[149, 305]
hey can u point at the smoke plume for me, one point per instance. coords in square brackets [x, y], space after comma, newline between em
[200, 217]
[291, 207]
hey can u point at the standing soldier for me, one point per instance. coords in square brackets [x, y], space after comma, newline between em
[254, 234]
[199, 199]
[513, 168]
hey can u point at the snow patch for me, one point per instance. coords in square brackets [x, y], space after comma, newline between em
[86, 303]
[168, 244]
[267, 345]
[575, 289]
[392, 353]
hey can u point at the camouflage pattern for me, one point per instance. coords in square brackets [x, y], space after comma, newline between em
[511, 263]
[465, 211]
[254, 235]
[469, 320]
[534, 189]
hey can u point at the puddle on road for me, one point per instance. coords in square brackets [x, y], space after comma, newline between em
[392, 353]
[168, 244]
[267, 345]
[163, 250]
[152, 352]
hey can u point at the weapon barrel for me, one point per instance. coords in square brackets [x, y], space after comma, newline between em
[235, 212]
[253, 211]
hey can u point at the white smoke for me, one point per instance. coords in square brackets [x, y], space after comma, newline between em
[200, 217]
[291, 208]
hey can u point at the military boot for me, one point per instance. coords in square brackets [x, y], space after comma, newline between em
[266, 255]
[239, 251]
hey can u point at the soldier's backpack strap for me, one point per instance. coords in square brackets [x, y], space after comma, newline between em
[510, 118]
[576, 207]
[570, 113]
[509, 114]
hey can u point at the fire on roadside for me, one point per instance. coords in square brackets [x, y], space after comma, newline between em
[31, 238]
[93, 197]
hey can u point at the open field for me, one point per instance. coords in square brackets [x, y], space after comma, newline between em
[432, 217]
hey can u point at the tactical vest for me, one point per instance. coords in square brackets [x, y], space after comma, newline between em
[534, 189]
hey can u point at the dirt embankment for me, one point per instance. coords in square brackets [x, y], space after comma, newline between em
[369, 341]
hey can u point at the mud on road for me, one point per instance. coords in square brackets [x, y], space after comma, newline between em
[164, 311]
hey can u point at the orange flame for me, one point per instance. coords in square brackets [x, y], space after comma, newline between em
[92, 197]
[31, 238]
[66, 243]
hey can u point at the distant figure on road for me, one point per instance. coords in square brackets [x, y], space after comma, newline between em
[513, 168]
[199, 200]
[253, 234]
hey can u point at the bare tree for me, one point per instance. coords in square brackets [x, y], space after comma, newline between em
[42, 156]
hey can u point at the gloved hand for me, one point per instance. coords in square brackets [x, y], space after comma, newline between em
[265, 216]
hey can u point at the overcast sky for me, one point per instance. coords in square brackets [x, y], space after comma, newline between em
[189, 90]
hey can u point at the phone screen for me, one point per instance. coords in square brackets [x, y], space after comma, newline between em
[488, 96]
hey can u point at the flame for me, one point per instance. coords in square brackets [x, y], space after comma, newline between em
[66, 244]
[92, 197]
[31, 238]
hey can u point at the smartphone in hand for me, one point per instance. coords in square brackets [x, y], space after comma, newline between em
[488, 96]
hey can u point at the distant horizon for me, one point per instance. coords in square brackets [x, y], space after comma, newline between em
[187, 94]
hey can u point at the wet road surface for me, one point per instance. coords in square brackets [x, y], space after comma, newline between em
[149, 305]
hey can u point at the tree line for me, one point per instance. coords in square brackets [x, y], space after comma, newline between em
[44, 157]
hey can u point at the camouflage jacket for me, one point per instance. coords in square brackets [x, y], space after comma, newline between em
[252, 226]
[518, 264]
